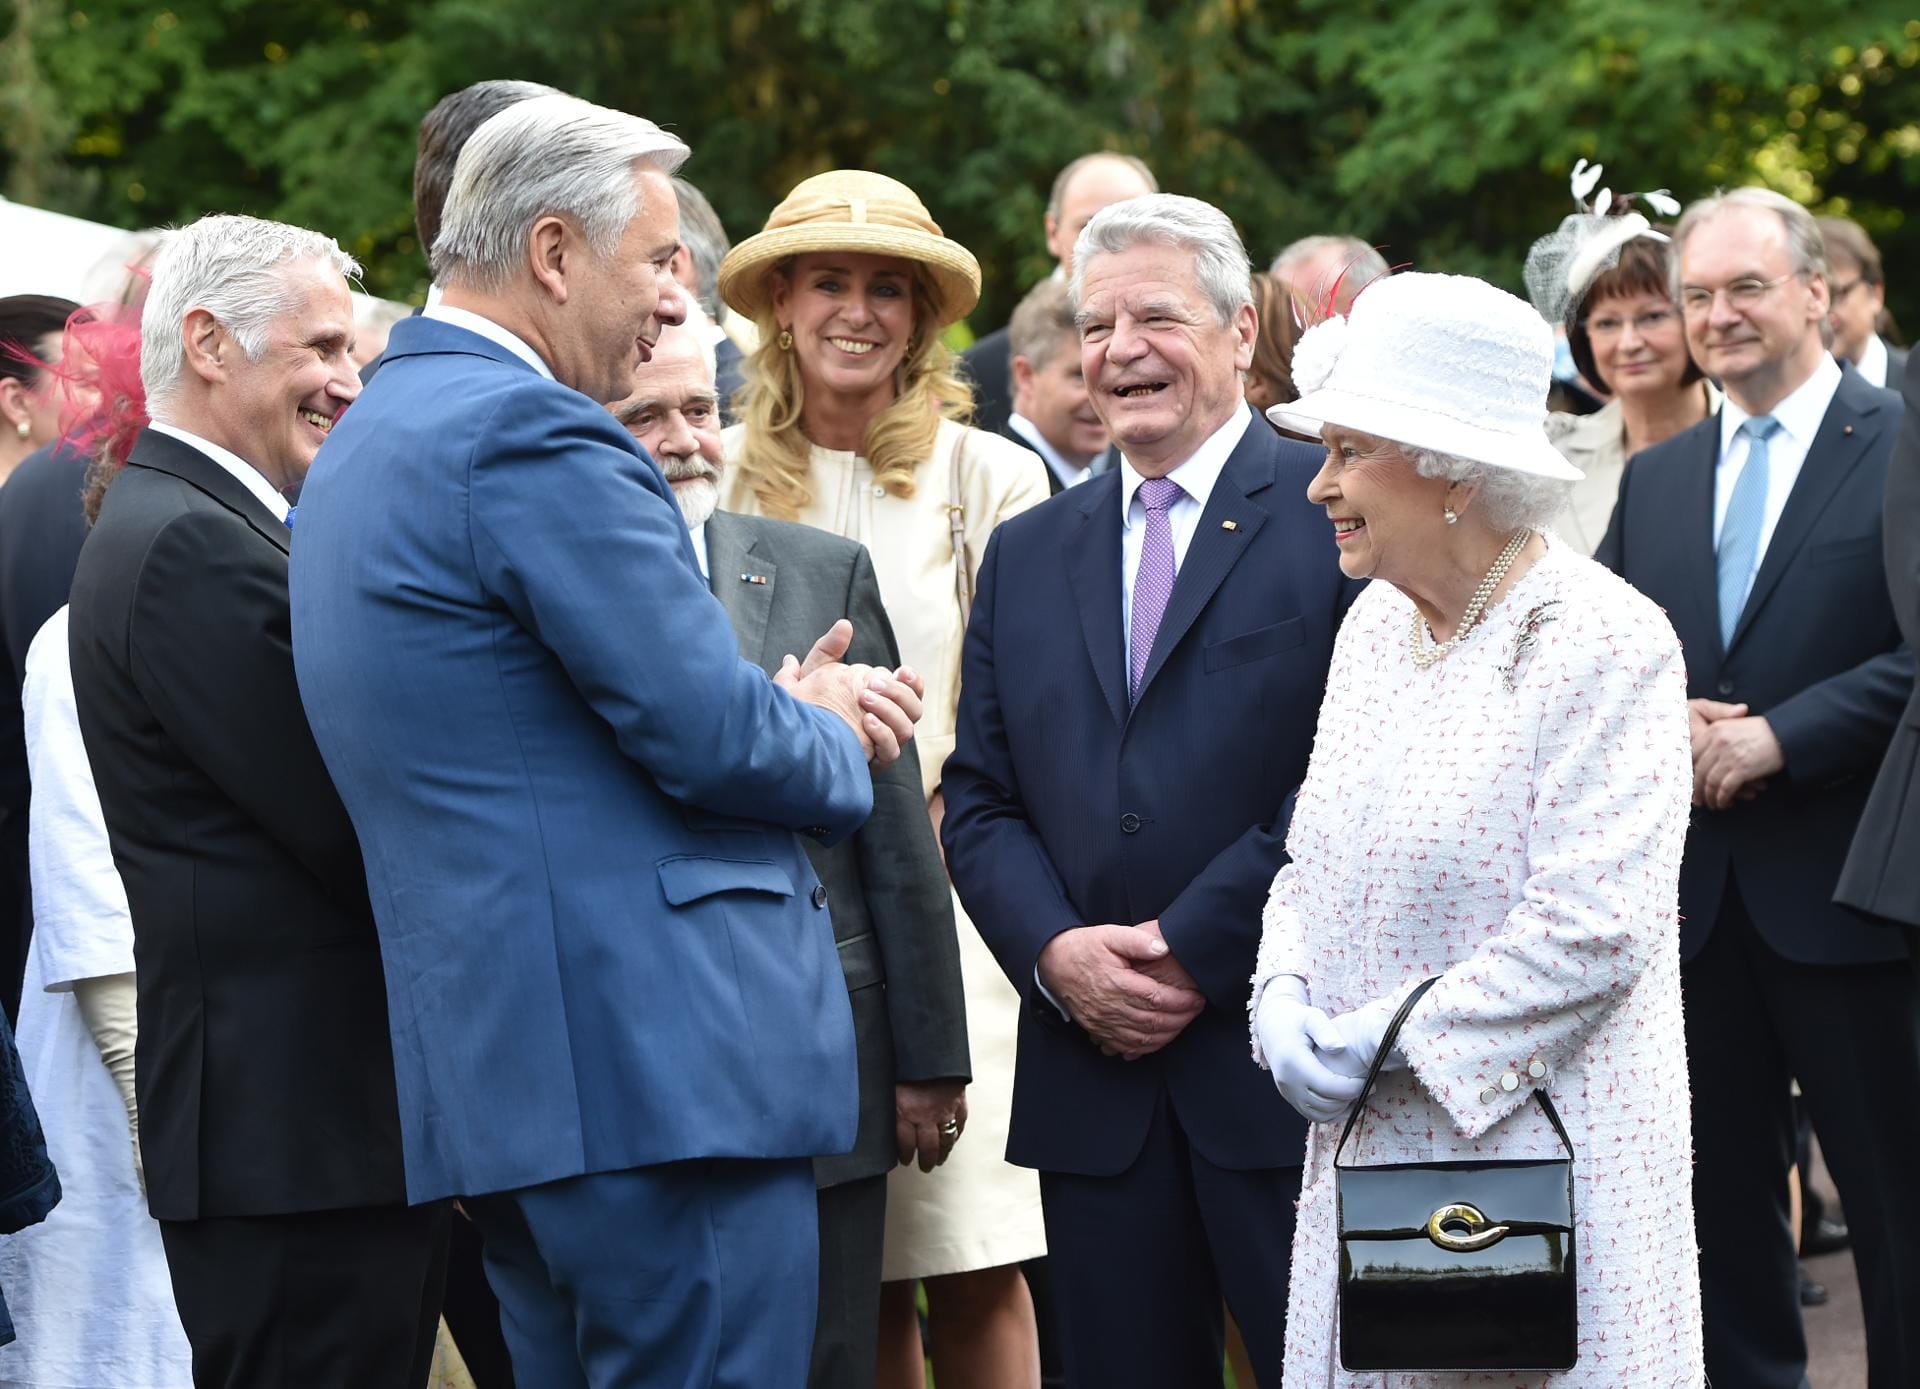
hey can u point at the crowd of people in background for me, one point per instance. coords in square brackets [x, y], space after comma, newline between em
[652, 822]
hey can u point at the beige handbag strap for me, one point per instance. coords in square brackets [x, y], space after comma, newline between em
[957, 529]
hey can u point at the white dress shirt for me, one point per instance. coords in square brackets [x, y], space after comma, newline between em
[1196, 477]
[1799, 416]
[488, 329]
[1069, 475]
[698, 534]
[1873, 362]
[249, 476]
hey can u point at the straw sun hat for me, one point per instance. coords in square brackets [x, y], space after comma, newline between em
[1441, 362]
[852, 210]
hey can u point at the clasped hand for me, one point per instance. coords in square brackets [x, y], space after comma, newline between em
[1734, 753]
[1319, 1063]
[1122, 985]
[880, 706]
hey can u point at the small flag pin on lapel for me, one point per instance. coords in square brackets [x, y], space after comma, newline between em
[753, 578]
[1229, 525]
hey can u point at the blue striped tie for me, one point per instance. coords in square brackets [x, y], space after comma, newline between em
[1740, 530]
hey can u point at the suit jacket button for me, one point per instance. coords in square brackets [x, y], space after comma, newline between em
[1129, 823]
[1725, 687]
[819, 894]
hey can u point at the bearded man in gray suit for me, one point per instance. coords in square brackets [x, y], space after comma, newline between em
[783, 584]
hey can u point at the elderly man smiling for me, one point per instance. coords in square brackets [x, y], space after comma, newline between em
[270, 1130]
[1142, 674]
[781, 584]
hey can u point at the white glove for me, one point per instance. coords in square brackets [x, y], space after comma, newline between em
[1290, 1030]
[1356, 1038]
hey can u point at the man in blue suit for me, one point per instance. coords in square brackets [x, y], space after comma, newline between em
[1758, 531]
[619, 1026]
[1142, 674]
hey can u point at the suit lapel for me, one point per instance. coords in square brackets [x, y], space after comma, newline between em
[1093, 567]
[743, 582]
[1226, 528]
[1703, 570]
[1840, 444]
[166, 454]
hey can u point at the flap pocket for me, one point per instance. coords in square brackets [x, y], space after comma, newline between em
[1833, 551]
[1252, 646]
[687, 879]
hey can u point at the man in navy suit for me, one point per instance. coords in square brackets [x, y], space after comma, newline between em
[1142, 675]
[1758, 530]
[620, 1029]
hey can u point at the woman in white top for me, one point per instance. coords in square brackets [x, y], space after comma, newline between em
[1497, 798]
[1607, 277]
[850, 421]
[88, 1289]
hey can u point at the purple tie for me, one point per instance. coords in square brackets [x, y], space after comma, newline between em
[1153, 584]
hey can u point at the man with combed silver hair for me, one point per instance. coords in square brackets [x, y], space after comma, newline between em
[1322, 268]
[1142, 671]
[1758, 530]
[266, 1111]
[780, 582]
[616, 1003]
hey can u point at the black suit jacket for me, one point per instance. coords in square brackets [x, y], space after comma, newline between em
[989, 366]
[1816, 651]
[265, 1073]
[783, 585]
[1882, 874]
[1067, 806]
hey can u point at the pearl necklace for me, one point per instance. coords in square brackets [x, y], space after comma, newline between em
[1425, 655]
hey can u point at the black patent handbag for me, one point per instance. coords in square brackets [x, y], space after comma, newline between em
[1451, 1266]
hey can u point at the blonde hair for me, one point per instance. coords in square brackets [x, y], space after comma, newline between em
[775, 457]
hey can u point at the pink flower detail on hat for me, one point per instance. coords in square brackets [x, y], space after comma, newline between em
[1316, 353]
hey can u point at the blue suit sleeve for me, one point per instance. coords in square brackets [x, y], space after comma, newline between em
[1000, 868]
[577, 533]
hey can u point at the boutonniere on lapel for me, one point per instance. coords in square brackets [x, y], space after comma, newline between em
[1525, 640]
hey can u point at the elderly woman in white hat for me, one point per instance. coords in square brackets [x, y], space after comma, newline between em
[851, 419]
[1497, 802]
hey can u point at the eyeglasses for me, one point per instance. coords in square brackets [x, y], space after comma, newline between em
[1837, 293]
[1741, 294]
[1645, 325]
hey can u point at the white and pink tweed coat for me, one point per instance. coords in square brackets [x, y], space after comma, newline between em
[1512, 820]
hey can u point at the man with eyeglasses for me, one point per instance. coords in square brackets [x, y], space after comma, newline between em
[1859, 294]
[1758, 530]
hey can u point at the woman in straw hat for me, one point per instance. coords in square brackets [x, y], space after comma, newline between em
[1497, 800]
[850, 420]
[1606, 276]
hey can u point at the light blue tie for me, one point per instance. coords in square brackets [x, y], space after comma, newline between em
[1740, 530]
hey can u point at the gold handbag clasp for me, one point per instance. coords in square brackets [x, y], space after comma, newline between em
[1461, 1229]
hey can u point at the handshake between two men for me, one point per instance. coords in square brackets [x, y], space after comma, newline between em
[880, 706]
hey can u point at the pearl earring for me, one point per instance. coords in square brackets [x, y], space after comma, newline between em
[1451, 515]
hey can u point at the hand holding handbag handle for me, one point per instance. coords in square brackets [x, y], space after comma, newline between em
[1387, 1042]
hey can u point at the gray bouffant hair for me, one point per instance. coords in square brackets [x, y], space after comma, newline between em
[1511, 499]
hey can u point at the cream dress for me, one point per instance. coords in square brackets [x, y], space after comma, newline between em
[1510, 820]
[976, 1210]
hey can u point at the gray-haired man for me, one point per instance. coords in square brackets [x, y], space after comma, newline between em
[268, 1116]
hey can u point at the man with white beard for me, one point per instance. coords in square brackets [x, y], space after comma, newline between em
[781, 585]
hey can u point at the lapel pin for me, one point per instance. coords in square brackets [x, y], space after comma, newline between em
[1229, 525]
[1847, 430]
[753, 578]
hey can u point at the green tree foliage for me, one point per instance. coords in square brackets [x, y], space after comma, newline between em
[1441, 130]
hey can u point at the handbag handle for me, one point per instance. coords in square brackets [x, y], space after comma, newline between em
[1380, 1060]
[957, 531]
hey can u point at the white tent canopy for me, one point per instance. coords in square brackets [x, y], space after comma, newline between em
[45, 252]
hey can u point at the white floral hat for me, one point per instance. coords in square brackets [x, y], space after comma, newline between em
[1441, 362]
